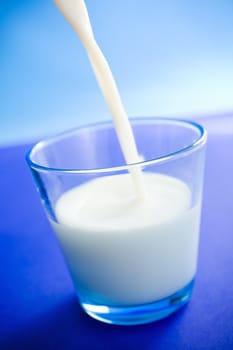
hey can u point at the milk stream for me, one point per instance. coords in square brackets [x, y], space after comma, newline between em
[76, 14]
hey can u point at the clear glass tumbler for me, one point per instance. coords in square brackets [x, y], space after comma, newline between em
[132, 260]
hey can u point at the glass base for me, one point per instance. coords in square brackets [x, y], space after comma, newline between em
[141, 314]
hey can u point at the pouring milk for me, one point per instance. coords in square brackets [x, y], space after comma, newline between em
[76, 14]
[122, 247]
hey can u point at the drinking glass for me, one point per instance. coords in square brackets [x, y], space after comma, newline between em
[121, 275]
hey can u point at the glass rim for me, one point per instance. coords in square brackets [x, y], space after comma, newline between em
[197, 143]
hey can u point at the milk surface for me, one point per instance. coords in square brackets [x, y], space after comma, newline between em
[124, 251]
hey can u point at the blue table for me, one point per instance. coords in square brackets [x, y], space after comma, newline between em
[38, 307]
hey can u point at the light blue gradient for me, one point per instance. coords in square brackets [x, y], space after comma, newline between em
[169, 58]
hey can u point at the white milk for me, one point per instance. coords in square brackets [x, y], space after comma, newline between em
[124, 251]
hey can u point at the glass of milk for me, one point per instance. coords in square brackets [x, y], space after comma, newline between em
[132, 256]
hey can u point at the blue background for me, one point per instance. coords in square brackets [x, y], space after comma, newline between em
[169, 58]
[38, 306]
[172, 57]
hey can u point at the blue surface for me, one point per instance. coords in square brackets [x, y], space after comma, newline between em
[170, 57]
[38, 307]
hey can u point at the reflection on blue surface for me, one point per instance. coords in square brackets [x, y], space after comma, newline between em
[169, 57]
